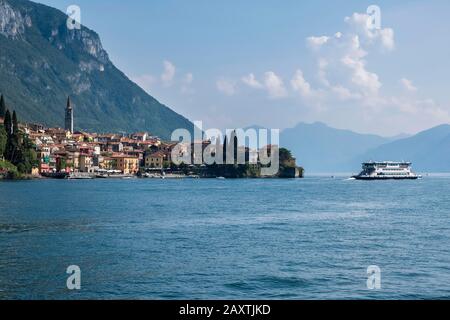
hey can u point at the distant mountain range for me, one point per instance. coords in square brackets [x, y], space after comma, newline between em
[42, 62]
[322, 149]
[429, 150]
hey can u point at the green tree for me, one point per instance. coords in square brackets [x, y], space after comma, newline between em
[285, 156]
[235, 146]
[3, 140]
[28, 157]
[13, 147]
[2, 107]
[224, 152]
[61, 164]
[7, 123]
[19, 150]
[7, 153]
[15, 126]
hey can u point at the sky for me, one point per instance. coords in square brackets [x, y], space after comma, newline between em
[274, 63]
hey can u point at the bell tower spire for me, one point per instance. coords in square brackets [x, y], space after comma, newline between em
[68, 123]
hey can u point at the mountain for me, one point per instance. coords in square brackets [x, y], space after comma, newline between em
[429, 150]
[42, 62]
[320, 148]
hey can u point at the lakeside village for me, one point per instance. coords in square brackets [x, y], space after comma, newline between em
[35, 151]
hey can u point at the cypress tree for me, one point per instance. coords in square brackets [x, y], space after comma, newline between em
[8, 129]
[224, 152]
[2, 107]
[18, 151]
[15, 126]
[13, 152]
[235, 146]
[8, 123]
[16, 156]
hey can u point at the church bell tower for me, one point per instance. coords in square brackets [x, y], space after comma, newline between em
[68, 124]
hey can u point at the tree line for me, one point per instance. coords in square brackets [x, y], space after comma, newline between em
[15, 146]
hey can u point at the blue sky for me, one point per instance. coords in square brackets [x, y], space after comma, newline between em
[277, 63]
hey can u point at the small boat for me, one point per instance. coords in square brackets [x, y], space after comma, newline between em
[79, 177]
[387, 170]
[221, 178]
[55, 175]
[115, 176]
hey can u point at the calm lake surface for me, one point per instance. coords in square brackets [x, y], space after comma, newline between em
[232, 239]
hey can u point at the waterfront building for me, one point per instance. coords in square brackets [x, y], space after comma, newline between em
[44, 168]
[155, 160]
[86, 163]
[127, 164]
[106, 163]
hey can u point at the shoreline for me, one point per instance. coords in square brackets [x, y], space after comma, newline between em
[132, 177]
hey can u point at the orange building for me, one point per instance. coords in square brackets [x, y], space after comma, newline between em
[127, 164]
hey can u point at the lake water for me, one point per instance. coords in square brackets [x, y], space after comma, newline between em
[231, 239]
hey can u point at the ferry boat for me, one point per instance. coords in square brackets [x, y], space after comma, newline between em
[387, 170]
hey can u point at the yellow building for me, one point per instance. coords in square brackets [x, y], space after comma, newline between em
[155, 160]
[127, 164]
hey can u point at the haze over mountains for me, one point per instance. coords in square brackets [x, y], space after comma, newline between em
[42, 62]
[322, 149]
[429, 150]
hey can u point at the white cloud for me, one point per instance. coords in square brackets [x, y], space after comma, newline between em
[271, 83]
[408, 85]
[387, 38]
[344, 59]
[168, 74]
[358, 23]
[367, 81]
[322, 72]
[346, 85]
[226, 86]
[251, 81]
[300, 85]
[344, 93]
[344, 76]
[317, 42]
[274, 85]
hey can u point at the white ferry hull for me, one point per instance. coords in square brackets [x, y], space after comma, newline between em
[385, 178]
[387, 170]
